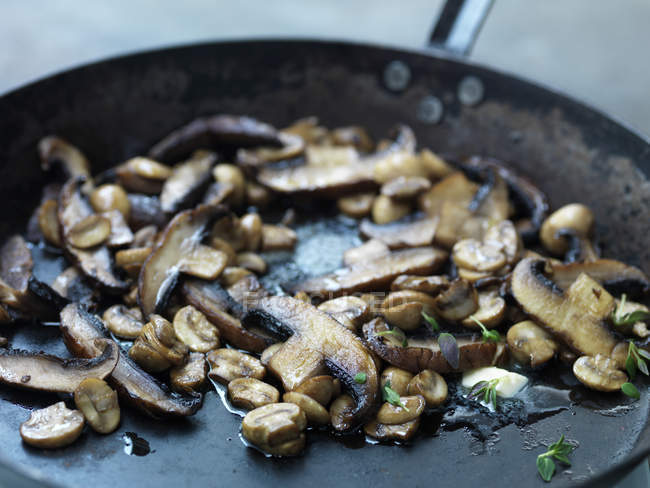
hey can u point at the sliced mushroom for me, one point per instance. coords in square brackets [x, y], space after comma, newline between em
[576, 316]
[430, 385]
[375, 274]
[490, 312]
[95, 263]
[109, 197]
[55, 151]
[504, 235]
[144, 392]
[334, 180]
[219, 192]
[90, 231]
[406, 316]
[277, 429]
[120, 234]
[292, 146]
[352, 312]
[474, 255]
[318, 338]
[599, 373]
[425, 353]
[230, 174]
[48, 222]
[405, 187]
[397, 235]
[320, 388]
[251, 261]
[356, 206]
[251, 226]
[390, 414]
[458, 301]
[400, 432]
[52, 427]
[143, 175]
[639, 328]
[203, 262]
[425, 284]
[191, 375]
[342, 413]
[251, 393]
[160, 271]
[371, 249]
[131, 260]
[98, 403]
[194, 330]
[145, 212]
[386, 210]
[123, 322]
[227, 365]
[353, 135]
[315, 412]
[187, 182]
[530, 344]
[257, 195]
[213, 132]
[224, 312]
[573, 217]
[157, 348]
[398, 378]
[40, 371]
[277, 238]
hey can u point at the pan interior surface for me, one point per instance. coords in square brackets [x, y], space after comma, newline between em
[117, 109]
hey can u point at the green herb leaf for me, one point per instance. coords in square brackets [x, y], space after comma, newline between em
[396, 333]
[435, 327]
[630, 390]
[641, 364]
[360, 378]
[449, 349]
[545, 467]
[635, 360]
[620, 319]
[488, 335]
[487, 389]
[391, 396]
[630, 366]
[643, 353]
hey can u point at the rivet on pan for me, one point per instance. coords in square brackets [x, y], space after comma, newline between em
[397, 75]
[470, 90]
[430, 110]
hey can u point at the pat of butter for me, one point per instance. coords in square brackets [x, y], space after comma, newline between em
[509, 383]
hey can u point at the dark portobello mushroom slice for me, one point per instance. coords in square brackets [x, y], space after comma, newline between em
[399, 234]
[337, 180]
[144, 392]
[43, 372]
[425, 353]
[213, 132]
[375, 274]
[225, 311]
[292, 146]
[615, 276]
[523, 191]
[576, 315]
[318, 338]
[96, 262]
[159, 273]
[187, 182]
[145, 211]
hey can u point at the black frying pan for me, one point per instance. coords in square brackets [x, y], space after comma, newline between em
[117, 108]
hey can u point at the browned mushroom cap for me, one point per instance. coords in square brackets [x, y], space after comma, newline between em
[144, 392]
[575, 315]
[396, 235]
[40, 371]
[160, 271]
[425, 353]
[187, 182]
[55, 151]
[523, 192]
[458, 301]
[292, 146]
[212, 132]
[338, 180]
[96, 262]
[142, 175]
[615, 276]
[317, 338]
[223, 311]
[375, 274]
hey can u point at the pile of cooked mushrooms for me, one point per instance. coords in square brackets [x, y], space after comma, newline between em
[162, 290]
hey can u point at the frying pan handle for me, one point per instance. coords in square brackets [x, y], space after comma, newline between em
[458, 25]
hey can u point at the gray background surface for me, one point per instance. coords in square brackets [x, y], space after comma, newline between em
[596, 50]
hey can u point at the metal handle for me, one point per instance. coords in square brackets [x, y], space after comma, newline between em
[458, 25]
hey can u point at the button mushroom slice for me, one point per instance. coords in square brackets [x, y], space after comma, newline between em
[351, 310]
[375, 274]
[615, 276]
[227, 365]
[371, 249]
[397, 235]
[277, 428]
[251, 393]
[142, 175]
[576, 315]
[48, 222]
[425, 353]
[55, 151]
[180, 238]
[399, 432]
[133, 385]
[477, 256]
[187, 182]
[145, 212]
[599, 373]
[131, 260]
[98, 403]
[356, 206]
[120, 232]
[247, 290]
[430, 385]
[223, 311]
[157, 348]
[342, 413]
[386, 210]
[277, 238]
[335, 181]
[194, 330]
[639, 328]
[43, 372]
[390, 414]
[398, 378]
[96, 263]
[504, 235]
[491, 310]
[316, 335]
[90, 231]
[203, 262]
[576, 218]
[405, 187]
[292, 146]
[191, 375]
[458, 301]
[109, 197]
[353, 135]
[52, 427]
[212, 132]
[530, 344]
[522, 191]
[321, 388]
[425, 284]
[123, 322]
[315, 412]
